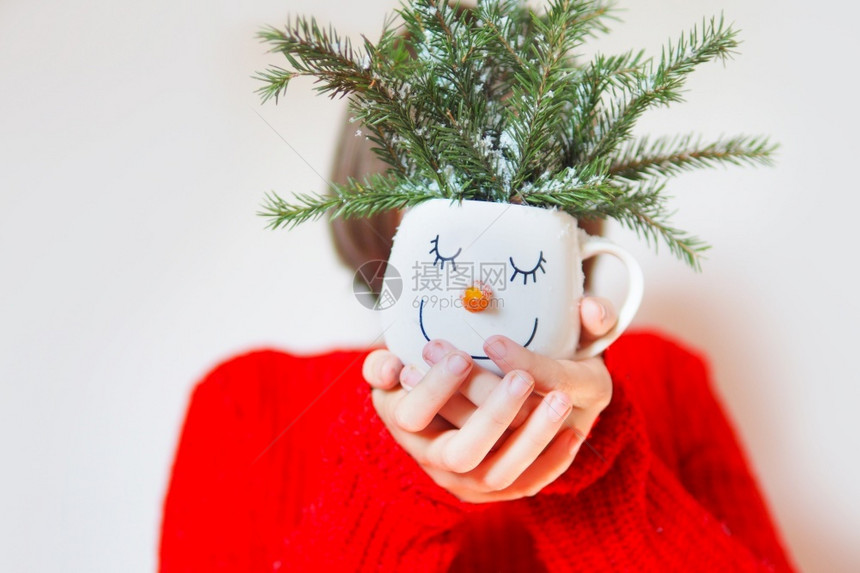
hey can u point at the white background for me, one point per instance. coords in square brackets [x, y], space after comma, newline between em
[132, 161]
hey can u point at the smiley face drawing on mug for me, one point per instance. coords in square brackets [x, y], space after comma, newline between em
[473, 269]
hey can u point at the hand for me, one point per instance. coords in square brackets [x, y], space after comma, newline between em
[382, 368]
[483, 440]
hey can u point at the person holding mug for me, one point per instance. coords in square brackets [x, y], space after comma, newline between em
[352, 461]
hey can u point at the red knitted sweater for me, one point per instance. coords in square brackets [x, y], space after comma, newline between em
[284, 465]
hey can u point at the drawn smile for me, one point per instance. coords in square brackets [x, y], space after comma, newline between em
[427, 338]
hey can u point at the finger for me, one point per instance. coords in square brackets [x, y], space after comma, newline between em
[410, 376]
[527, 443]
[417, 408]
[480, 382]
[416, 444]
[548, 467]
[598, 317]
[586, 382]
[459, 408]
[477, 388]
[456, 410]
[508, 355]
[463, 450]
[381, 369]
[532, 402]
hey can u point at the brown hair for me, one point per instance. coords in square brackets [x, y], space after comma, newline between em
[359, 241]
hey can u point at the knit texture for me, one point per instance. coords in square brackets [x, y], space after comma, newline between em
[283, 465]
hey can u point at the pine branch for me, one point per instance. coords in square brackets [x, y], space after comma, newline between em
[588, 20]
[276, 80]
[377, 193]
[450, 86]
[641, 208]
[536, 115]
[312, 51]
[496, 17]
[384, 149]
[604, 75]
[579, 200]
[377, 99]
[489, 104]
[663, 84]
[666, 157]
[511, 28]
[577, 191]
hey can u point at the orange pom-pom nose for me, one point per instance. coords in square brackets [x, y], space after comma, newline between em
[477, 297]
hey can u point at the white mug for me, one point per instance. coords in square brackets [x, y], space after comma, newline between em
[472, 269]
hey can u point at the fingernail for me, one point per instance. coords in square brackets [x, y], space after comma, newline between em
[433, 352]
[409, 377]
[456, 364]
[520, 385]
[389, 369]
[597, 307]
[496, 347]
[558, 406]
[575, 441]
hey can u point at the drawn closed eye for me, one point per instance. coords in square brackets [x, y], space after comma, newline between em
[526, 274]
[440, 258]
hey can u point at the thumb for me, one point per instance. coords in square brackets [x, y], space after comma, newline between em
[598, 316]
[381, 369]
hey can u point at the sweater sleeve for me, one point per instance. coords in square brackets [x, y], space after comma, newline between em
[377, 510]
[205, 525]
[620, 503]
[283, 464]
[712, 465]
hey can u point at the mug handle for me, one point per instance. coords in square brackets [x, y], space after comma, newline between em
[590, 247]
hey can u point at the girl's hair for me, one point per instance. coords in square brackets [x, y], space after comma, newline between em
[359, 241]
